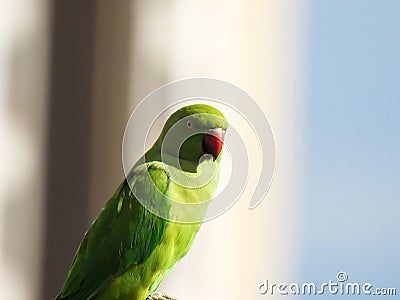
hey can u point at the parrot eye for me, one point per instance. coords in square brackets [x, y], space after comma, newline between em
[189, 124]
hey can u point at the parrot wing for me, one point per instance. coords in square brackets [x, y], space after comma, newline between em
[124, 234]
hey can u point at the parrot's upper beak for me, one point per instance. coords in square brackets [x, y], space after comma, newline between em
[213, 141]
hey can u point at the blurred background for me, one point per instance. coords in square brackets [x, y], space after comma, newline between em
[325, 73]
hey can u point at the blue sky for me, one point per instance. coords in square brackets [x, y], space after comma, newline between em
[352, 163]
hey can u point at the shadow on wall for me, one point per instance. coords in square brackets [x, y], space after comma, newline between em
[89, 78]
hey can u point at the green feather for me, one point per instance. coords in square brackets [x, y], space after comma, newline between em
[114, 242]
[128, 250]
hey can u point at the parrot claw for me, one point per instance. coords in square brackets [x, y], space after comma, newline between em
[159, 296]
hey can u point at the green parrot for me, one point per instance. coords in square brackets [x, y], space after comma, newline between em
[129, 250]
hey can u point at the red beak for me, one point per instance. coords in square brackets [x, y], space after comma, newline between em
[213, 141]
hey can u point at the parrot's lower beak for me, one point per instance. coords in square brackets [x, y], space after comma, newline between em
[213, 141]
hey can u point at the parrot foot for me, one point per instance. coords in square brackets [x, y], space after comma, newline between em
[159, 296]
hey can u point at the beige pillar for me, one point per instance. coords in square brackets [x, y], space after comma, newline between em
[23, 83]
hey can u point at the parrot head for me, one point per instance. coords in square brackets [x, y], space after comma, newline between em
[194, 131]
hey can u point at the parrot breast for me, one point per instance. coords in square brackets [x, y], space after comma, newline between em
[143, 279]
